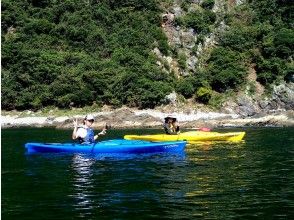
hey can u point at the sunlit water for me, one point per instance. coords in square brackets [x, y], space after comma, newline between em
[249, 180]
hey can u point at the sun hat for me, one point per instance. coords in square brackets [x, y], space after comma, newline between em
[170, 117]
[89, 117]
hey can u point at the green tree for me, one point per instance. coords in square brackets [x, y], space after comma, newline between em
[203, 94]
[226, 69]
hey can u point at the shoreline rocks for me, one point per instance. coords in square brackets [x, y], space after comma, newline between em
[133, 118]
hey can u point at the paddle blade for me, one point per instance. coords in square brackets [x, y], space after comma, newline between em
[107, 126]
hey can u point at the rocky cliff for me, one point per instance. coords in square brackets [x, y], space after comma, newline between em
[195, 47]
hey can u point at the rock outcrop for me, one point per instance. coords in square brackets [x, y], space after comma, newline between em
[185, 40]
[133, 118]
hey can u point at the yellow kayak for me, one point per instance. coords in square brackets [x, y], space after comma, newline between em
[190, 136]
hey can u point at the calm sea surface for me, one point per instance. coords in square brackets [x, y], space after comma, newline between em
[250, 180]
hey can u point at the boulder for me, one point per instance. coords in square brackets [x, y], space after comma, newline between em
[188, 38]
[171, 98]
[283, 96]
[177, 11]
[246, 106]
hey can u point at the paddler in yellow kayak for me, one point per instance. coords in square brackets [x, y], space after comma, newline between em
[170, 125]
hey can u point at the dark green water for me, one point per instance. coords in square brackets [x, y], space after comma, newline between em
[251, 180]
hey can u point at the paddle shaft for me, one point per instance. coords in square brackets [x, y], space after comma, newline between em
[107, 127]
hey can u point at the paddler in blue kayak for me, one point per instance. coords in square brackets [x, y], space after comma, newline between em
[84, 133]
[170, 125]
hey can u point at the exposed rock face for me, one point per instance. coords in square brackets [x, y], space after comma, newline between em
[284, 119]
[171, 98]
[283, 96]
[236, 2]
[188, 38]
[246, 106]
[176, 10]
[281, 100]
[239, 2]
[185, 40]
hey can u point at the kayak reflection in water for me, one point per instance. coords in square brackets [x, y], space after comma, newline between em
[84, 133]
[170, 125]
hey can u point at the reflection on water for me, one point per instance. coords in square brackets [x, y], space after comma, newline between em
[212, 145]
[231, 174]
[101, 182]
[249, 180]
[83, 184]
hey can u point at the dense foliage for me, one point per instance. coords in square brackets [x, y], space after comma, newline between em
[80, 52]
[200, 20]
[75, 53]
[260, 34]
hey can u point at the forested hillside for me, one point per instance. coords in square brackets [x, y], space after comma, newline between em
[75, 53]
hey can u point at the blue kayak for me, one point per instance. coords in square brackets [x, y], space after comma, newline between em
[110, 146]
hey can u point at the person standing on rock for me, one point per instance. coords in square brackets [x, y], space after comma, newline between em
[84, 133]
[170, 125]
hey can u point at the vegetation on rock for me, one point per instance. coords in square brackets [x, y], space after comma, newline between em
[77, 53]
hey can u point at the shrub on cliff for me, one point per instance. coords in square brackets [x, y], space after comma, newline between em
[203, 94]
[208, 4]
[226, 69]
[185, 87]
[199, 20]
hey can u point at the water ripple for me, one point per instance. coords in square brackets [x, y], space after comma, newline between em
[249, 180]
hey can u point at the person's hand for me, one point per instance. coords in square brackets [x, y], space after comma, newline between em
[103, 132]
[75, 123]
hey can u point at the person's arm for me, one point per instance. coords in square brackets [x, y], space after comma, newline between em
[103, 132]
[74, 133]
[176, 128]
[168, 129]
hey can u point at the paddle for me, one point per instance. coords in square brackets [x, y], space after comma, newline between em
[106, 127]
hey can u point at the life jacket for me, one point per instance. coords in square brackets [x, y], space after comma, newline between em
[89, 137]
[170, 129]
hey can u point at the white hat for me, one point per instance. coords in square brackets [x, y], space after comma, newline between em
[89, 117]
